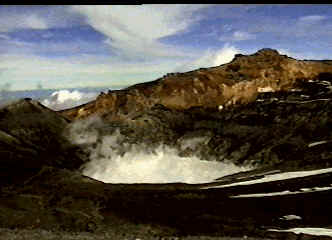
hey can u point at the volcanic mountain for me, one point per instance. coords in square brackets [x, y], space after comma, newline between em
[265, 110]
[262, 109]
[237, 82]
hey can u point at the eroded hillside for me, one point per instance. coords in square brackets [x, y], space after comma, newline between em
[237, 82]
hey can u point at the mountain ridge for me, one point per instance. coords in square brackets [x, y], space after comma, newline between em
[233, 83]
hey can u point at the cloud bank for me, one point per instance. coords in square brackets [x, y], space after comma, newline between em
[24, 21]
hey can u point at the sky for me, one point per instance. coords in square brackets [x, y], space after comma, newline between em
[57, 47]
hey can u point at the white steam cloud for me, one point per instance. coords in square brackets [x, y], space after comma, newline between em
[211, 59]
[63, 99]
[113, 160]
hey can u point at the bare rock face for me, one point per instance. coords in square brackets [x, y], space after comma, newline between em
[238, 82]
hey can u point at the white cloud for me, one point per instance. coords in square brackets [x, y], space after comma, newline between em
[4, 37]
[311, 26]
[135, 30]
[241, 36]
[211, 59]
[23, 21]
[26, 71]
[238, 36]
[225, 55]
[287, 52]
[312, 18]
[34, 22]
[64, 99]
[307, 55]
[288, 27]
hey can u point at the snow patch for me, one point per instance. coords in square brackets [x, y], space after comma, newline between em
[316, 143]
[305, 102]
[309, 231]
[326, 83]
[296, 90]
[287, 192]
[262, 194]
[276, 177]
[290, 217]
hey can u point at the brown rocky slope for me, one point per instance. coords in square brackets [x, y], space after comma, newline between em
[237, 82]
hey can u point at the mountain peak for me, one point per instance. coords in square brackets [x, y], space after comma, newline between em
[264, 52]
[267, 51]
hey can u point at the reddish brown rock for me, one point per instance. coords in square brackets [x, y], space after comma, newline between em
[237, 82]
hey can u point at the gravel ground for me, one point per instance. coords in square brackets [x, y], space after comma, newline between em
[39, 234]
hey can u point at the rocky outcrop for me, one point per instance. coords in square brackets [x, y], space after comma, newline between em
[238, 82]
[30, 138]
[285, 129]
[264, 109]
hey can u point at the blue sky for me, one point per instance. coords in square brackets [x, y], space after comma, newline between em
[104, 46]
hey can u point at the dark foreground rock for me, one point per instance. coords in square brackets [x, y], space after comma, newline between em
[31, 136]
[63, 200]
[58, 235]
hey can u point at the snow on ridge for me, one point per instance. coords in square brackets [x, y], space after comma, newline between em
[287, 192]
[290, 217]
[316, 143]
[309, 231]
[276, 177]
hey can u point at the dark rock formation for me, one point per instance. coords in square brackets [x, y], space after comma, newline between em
[30, 138]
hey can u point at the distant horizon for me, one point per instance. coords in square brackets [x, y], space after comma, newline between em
[64, 88]
[56, 99]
